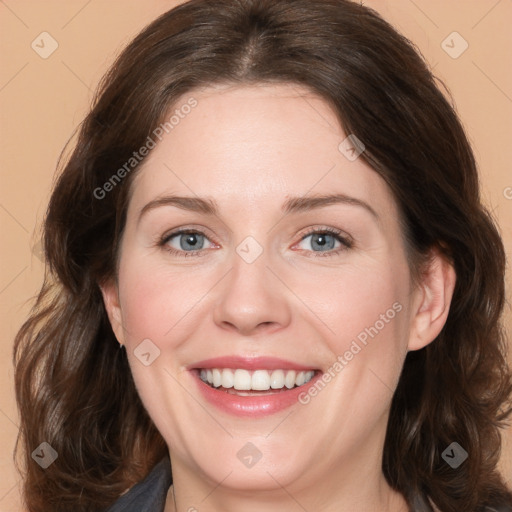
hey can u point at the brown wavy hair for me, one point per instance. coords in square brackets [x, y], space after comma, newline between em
[74, 388]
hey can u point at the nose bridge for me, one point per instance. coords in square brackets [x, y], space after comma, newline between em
[250, 297]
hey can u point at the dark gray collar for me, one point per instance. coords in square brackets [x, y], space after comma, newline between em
[148, 495]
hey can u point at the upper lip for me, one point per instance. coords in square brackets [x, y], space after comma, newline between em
[250, 363]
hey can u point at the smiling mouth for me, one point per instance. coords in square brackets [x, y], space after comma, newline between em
[243, 382]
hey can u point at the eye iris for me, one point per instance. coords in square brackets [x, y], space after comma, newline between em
[191, 239]
[319, 240]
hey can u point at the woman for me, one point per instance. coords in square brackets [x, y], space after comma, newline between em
[270, 270]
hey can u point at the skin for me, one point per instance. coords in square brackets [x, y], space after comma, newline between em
[250, 149]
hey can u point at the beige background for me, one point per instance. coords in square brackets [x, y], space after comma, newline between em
[43, 100]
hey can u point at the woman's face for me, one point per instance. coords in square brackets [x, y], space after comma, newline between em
[292, 262]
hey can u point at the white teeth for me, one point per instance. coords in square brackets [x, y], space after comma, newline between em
[227, 379]
[277, 379]
[289, 380]
[217, 377]
[242, 380]
[258, 380]
[300, 379]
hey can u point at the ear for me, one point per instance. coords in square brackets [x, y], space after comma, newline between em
[112, 305]
[433, 297]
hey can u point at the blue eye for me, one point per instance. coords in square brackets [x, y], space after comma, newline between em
[327, 241]
[185, 241]
[322, 241]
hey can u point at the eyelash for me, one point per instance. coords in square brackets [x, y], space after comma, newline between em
[346, 242]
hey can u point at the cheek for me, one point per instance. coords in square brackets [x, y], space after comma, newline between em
[154, 299]
[367, 316]
[362, 303]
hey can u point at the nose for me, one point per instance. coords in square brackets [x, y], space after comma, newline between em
[252, 300]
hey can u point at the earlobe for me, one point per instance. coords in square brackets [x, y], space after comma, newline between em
[113, 308]
[434, 294]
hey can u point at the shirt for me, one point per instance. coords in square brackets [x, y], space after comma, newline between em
[150, 494]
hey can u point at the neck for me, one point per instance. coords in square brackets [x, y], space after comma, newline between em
[353, 491]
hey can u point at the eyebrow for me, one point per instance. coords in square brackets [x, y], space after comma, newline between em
[292, 205]
[306, 203]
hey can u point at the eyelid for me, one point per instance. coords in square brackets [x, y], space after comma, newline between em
[200, 230]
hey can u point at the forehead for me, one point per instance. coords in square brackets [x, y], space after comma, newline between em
[255, 145]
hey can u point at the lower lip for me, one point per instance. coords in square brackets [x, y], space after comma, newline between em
[252, 406]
